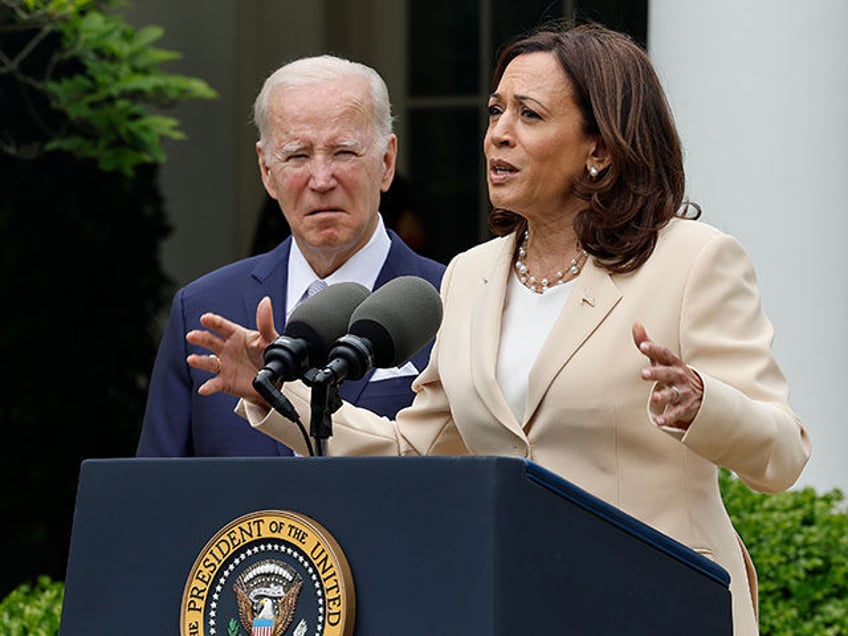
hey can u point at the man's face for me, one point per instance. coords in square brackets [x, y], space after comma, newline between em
[324, 167]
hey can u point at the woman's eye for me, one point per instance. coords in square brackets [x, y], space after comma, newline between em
[529, 114]
[494, 110]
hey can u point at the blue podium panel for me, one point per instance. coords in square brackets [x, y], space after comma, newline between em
[466, 546]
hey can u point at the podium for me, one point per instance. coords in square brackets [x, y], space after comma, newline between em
[471, 546]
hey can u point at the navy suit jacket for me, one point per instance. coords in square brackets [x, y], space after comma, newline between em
[178, 422]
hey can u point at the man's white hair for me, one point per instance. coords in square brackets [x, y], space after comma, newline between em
[326, 69]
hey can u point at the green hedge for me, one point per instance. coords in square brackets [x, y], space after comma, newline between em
[33, 610]
[799, 543]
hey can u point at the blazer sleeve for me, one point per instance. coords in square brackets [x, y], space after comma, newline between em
[166, 428]
[745, 422]
[425, 428]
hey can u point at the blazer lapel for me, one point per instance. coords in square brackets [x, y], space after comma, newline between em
[487, 316]
[271, 274]
[594, 296]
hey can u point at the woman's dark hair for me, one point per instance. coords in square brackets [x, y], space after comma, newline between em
[621, 99]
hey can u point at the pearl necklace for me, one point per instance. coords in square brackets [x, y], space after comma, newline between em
[543, 285]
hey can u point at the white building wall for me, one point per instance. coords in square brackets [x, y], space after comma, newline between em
[759, 89]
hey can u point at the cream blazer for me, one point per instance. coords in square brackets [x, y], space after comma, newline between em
[587, 415]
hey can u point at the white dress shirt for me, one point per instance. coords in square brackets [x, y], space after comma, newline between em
[527, 320]
[363, 267]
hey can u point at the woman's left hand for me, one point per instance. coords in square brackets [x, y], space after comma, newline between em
[678, 392]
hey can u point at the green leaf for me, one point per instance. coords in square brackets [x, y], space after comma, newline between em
[146, 36]
[104, 82]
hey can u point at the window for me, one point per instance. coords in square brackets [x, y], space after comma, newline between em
[453, 45]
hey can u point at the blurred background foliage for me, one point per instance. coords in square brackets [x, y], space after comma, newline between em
[33, 609]
[798, 541]
[81, 225]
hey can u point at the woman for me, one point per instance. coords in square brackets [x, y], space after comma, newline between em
[535, 356]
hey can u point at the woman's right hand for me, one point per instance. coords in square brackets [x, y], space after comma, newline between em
[236, 352]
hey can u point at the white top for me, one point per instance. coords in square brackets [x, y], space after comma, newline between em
[363, 267]
[528, 318]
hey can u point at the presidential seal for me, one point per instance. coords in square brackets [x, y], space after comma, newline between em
[269, 573]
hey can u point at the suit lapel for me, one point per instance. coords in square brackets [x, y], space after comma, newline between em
[594, 296]
[271, 276]
[487, 318]
[399, 261]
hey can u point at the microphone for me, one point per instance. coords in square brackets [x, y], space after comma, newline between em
[389, 327]
[309, 333]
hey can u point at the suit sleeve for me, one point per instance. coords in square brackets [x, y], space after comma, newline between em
[745, 422]
[424, 428]
[166, 427]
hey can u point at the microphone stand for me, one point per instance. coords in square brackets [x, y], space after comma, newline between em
[264, 385]
[325, 401]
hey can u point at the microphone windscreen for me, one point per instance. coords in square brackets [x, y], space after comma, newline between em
[398, 319]
[324, 317]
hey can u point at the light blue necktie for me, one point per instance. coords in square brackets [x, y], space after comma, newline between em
[314, 287]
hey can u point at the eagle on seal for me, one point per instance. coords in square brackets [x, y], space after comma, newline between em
[265, 607]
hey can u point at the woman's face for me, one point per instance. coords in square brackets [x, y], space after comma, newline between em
[535, 146]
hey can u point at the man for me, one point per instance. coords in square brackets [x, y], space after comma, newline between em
[326, 151]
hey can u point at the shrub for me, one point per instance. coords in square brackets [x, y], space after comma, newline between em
[799, 543]
[81, 224]
[33, 610]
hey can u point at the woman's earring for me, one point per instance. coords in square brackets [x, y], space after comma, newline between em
[593, 173]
